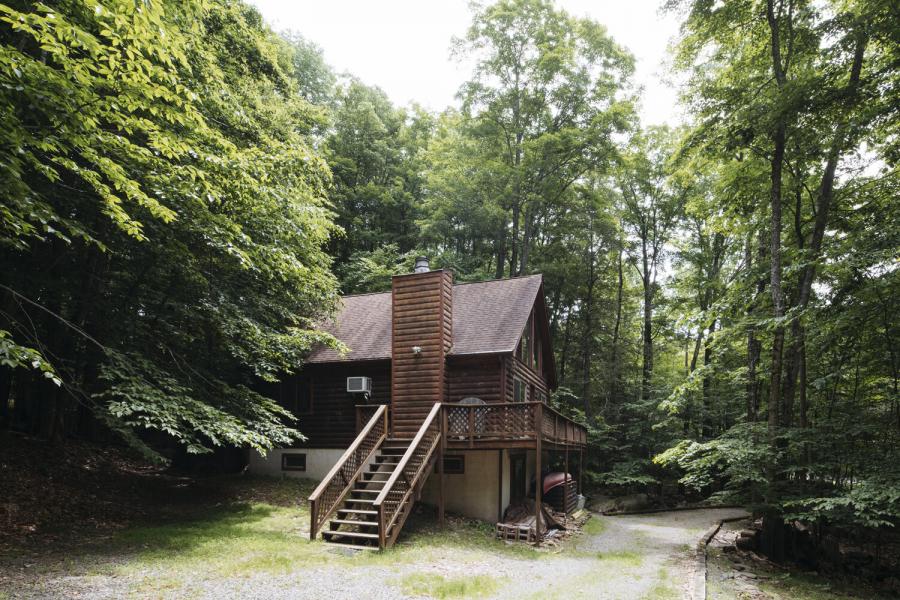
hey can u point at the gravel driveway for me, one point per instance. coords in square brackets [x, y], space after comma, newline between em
[628, 557]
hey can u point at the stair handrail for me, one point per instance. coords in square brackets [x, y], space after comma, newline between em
[339, 480]
[386, 521]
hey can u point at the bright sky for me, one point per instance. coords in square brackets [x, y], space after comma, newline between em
[403, 46]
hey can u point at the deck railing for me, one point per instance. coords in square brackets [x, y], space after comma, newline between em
[394, 503]
[364, 413]
[474, 424]
[337, 484]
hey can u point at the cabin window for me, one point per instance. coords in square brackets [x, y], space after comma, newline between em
[519, 390]
[454, 465]
[295, 394]
[526, 348]
[293, 461]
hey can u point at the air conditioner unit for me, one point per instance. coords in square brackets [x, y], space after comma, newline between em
[359, 385]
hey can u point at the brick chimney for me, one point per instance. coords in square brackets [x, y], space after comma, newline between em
[421, 335]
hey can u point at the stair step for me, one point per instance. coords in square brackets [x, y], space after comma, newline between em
[356, 511]
[390, 458]
[351, 534]
[389, 468]
[366, 484]
[359, 500]
[354, 522]
[353, 546]
[356, 491]
[371, 476]
[393, 451]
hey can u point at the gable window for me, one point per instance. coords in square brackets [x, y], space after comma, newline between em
[518, 390]
[295, 394]
[526, 347]
[293, 461]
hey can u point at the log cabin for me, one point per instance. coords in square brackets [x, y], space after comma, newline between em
[443, 398]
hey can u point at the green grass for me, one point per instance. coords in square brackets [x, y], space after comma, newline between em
[595, 526]
[437, 586]
[662, 590]
[625, 557]
[263, 530]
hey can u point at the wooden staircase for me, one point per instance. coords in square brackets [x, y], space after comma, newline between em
[356, 522]
[368, 495]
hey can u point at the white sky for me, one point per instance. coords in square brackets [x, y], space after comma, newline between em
[403, 46]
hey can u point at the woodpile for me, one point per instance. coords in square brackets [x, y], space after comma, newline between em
[518, 525]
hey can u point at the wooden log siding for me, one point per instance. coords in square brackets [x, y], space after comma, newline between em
[421, 316]
[516, 369]
[332, 422]
[474, 378]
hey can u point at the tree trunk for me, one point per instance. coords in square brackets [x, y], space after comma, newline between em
[501, 252]
[614, 358]
[773, 538]
[707, 427]
[647, 359]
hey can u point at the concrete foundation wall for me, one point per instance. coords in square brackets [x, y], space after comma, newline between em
[318, 462]
[475, 492]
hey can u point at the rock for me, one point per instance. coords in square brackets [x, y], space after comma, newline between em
[633, 502]
[602, 504]
[750, 541]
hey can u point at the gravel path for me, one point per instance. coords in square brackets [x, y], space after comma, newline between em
[626, 557]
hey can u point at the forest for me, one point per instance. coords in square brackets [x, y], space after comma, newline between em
[724, 295]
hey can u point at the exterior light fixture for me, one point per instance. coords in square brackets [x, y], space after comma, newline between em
[417, 350]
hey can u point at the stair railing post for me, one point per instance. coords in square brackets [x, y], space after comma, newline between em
[382, 538]
[313, 513]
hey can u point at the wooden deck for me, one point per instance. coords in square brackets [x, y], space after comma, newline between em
[502, 425]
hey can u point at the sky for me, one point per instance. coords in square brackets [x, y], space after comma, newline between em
[403, 46]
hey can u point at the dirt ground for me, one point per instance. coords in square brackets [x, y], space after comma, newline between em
[628, 557]
[103, 525]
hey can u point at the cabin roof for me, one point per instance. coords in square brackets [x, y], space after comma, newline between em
[488, 318]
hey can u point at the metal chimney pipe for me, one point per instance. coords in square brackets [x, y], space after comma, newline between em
[421, 265]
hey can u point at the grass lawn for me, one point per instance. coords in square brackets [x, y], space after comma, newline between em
[263, 529]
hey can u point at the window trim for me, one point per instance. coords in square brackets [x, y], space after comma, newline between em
[461, 458]
[519, 384]
[285, 456]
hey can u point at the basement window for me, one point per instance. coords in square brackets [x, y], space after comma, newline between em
[293, 461]
[454, 465]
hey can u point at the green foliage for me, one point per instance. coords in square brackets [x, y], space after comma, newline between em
[164, 213]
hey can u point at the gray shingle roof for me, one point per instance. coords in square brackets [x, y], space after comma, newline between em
[488, 317]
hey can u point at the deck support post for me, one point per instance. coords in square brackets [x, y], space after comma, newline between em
[499, 485]
[580, 471]
[538, 480]
[441, 479]
[566, 485]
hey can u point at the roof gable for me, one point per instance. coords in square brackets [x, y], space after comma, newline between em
[488, 318]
